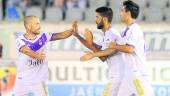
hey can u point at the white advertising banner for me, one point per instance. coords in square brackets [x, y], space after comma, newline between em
[75, 78]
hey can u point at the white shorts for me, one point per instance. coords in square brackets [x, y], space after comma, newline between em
[112, 88]
[33, 90]
[135, 86]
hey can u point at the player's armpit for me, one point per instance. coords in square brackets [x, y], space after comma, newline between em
[27, 51]
[61, 35]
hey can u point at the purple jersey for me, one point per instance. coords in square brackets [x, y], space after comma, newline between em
[29, 70]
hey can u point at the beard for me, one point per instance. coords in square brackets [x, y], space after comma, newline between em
[100, 25]
[36, 33]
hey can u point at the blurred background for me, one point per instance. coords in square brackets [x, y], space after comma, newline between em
[67, 75]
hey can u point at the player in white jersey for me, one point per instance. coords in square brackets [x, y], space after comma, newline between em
[32, 67]
[103, 19]
[135, 81]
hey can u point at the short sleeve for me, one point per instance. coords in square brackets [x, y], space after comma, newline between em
[20, 44]
[48, 36]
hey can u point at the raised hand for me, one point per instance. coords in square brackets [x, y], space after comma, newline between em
[41, 55]
[75, 28]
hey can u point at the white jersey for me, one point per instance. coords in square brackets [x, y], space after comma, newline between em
[135, 80]
[133, 36]
[114, 61]
[29, 70]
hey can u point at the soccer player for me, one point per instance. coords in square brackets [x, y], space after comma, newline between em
[32, 67]
[104, 17]
[135, 81]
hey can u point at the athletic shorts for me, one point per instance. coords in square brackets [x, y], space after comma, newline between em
[135, 85]
[33, 90]
[112, 88]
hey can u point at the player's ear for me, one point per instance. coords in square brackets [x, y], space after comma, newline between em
[129, 14]
[27, 26]
[105, 20]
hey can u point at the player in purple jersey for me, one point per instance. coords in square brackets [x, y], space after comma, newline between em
[32, 66]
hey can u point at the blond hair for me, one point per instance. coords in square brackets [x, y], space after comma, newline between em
[28, 19]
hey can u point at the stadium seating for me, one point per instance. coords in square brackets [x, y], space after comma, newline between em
[142, 3]
[74, 14]
[116, 15]
[90, 15]
[1, 15]
[97, 3]
[35, 10]
[168, 3]
[167, 14]
[14, 13]
[159, 4]
[153, 15]
[115, 3]
[151, 11]
[53, 14]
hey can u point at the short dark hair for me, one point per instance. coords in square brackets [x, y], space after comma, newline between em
[132, 7]
[105, 11]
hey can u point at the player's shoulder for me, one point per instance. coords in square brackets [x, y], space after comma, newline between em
[42, 33]
[136, 27]
[46, 33]
[20, 37]
[114, 31]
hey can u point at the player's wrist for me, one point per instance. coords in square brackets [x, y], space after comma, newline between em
[116, 47]
[37, 55]
[93, 54]
[76, 35]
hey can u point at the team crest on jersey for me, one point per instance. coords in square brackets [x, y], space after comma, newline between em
[131, 37]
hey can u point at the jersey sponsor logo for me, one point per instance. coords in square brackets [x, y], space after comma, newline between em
[35, 62]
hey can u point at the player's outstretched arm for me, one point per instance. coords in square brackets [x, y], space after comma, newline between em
[37, 55]
[61, 35]
[122, 48]
[102, 53]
